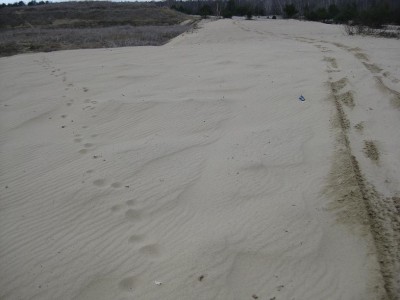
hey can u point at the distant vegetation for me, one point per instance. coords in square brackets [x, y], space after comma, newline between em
[43, 26]
[372, 13]
[44, 40]
[366, 12]
[87, 14]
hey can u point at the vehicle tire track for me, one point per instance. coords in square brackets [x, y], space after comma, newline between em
[356, 199]
[377, 72]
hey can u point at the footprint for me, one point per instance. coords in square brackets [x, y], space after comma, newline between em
[371, 150]
[77, 140]
[85, 126]
[151, 250]
[83, 151]
[99, 182]
[132, 214]
[359, 127]
[93, 135]
[360, 55]
[332, 61]
[136, 238]
[116, 208]
[373, 68]
[128, 283]
[338, 85]
[88, 145]
[347, 98]
[87, 101]
[89, 171]
[116, 185]
[130, 202]
[85, 89]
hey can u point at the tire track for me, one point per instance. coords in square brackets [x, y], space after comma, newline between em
[356, 200]
[375, 71]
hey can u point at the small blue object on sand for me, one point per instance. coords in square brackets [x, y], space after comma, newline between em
[301, 98]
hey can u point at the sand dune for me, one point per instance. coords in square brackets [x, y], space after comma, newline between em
[193, 171]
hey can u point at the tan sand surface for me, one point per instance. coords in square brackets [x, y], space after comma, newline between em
[193, 171]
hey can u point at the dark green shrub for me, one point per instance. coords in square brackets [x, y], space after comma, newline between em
[226, 14]
[241, 11]
[229, 10]
[290, 10]
[333, 11]
[249, 15]
[347, 13]
[205, 11]
[375, 16]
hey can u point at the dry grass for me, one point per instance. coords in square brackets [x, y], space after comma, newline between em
[87, 24]
[388, 31]
[88, 14]
[44, 40]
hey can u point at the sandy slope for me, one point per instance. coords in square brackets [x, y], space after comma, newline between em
[195, 164]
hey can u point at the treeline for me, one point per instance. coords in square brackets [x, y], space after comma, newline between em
[372, 13]
[226, 9]
[374, 16]
[367, 12]
[22, 3]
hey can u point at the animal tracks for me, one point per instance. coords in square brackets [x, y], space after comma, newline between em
[152, 250]
[103, 182]
[128, 283]
[71, 93]
[141, 243]
[116, 185]
[130, 202]
[136, 238]
[99, 182]
[88, 145]
[132, 215]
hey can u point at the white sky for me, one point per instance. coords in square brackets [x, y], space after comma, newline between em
[26, 1]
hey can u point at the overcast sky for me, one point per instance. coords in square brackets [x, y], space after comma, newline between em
[26, 1]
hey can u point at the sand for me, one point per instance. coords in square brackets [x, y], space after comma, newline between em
[193, 171]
